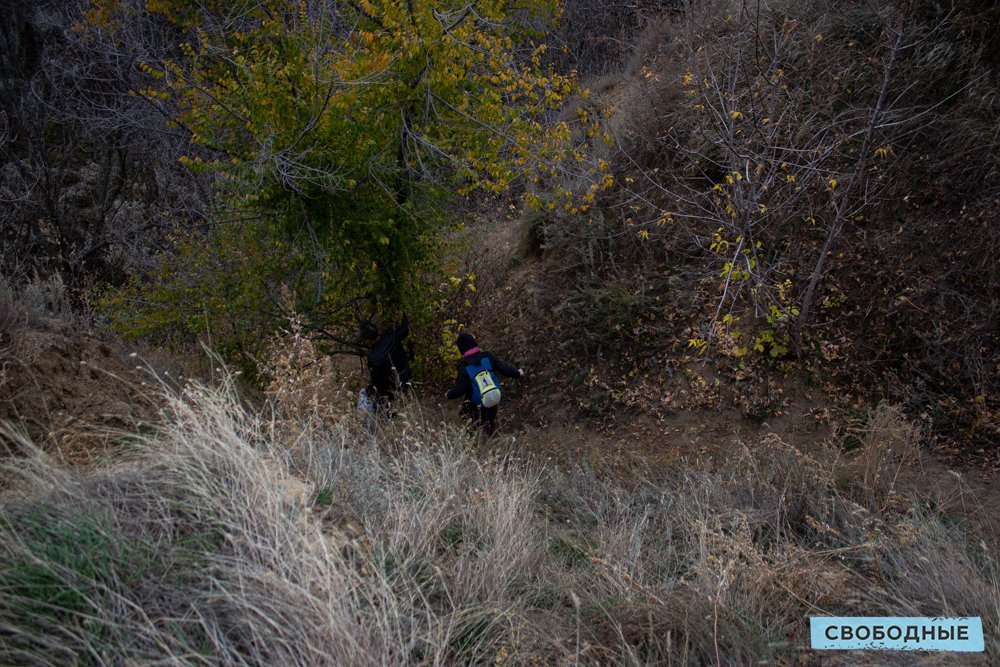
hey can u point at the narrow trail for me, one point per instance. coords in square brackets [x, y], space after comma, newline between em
[84, 388]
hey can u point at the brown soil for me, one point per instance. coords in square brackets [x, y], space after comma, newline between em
[71, 391]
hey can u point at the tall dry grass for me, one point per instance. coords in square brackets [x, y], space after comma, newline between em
[229, 538]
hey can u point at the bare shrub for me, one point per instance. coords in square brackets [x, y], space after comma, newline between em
[46, 298]
[597, 37]
[11, 314]
[91, 178]
[303, 383]
[810, 174]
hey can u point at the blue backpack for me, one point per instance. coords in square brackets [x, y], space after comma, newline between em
[485, 385]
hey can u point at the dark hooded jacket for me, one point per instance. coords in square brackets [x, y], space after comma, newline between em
[389, 363]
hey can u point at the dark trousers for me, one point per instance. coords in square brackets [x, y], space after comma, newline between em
[383, 403]
[484, 419]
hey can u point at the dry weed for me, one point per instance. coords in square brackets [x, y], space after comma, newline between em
[230, 538]
[890, 440]
[304, 384]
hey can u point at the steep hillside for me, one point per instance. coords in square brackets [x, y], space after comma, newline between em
[744, 251]
[71, 392]
[863, 269]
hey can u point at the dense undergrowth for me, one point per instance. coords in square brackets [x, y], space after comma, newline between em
[238, 537]
[795, 183]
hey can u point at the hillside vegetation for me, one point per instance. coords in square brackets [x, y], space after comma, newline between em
[235, 537]
[745, 250]
[795, 185]
[789, 185]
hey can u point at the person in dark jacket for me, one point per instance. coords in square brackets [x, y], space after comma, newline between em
[471, 365]
[388, 362]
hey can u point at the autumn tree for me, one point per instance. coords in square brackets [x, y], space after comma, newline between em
[337, 133]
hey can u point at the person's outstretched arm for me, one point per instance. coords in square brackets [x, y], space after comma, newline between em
[503, 368]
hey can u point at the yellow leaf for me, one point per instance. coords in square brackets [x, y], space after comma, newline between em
[698, 343]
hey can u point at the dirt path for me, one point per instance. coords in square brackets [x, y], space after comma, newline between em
[72, 389]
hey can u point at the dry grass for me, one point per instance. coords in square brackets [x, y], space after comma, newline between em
[46, 299]
[302, 383]
[890, 441]
[229, 539]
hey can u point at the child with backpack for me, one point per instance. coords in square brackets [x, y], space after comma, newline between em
[477, 381]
